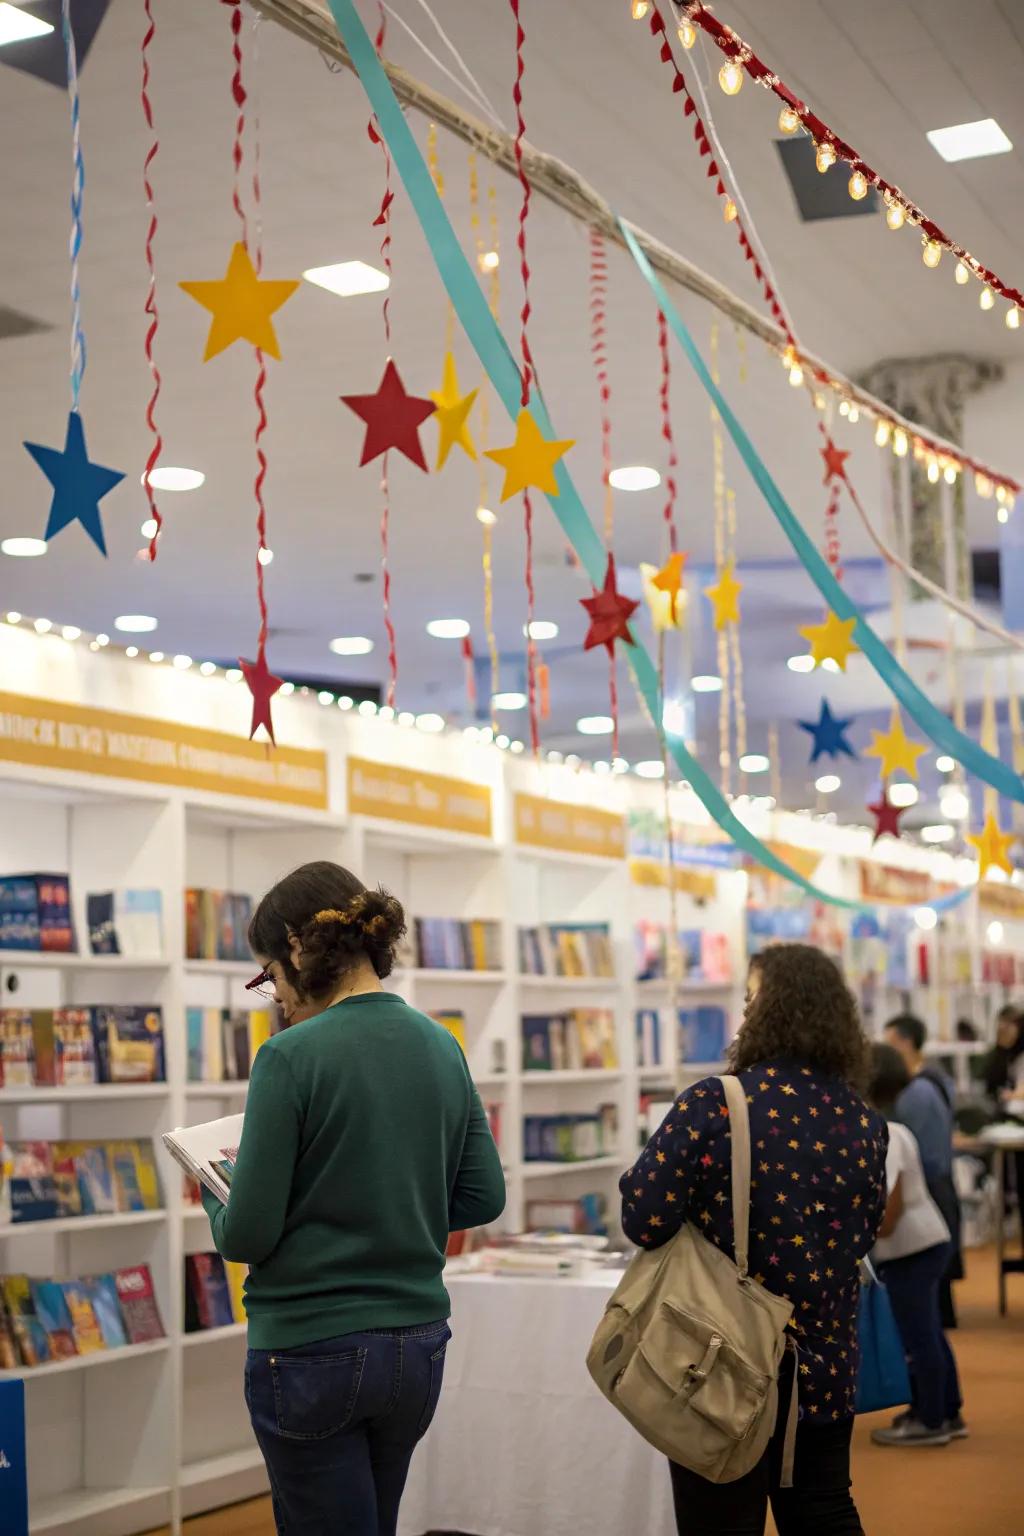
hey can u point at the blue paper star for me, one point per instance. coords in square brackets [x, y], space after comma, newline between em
[78, 485]
[829, 734]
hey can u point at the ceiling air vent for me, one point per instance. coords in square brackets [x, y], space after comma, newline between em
[14, 323]
[821, 195]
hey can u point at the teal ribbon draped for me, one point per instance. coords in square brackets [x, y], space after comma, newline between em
[503, 372]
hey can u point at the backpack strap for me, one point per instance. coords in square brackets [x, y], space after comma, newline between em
[792, 1420]
[739, 1129]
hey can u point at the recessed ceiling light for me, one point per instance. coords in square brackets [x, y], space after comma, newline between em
[169, 477]
[325, 697]
[509, 701]
[601, 767]
[828, 783]
[43, 626]
[345, 702]
[903, 794]
[207, 668]
[634, 477]
[135, 623]
[24, 549]
[503, 742]
[706, 684]
[430, 723]
[149, 528]
[954, 804]
[448, 629]
[595, 725]
[541, 629]
[673, 717]
[13, 617]
[183, 662]
[619, 765]
[754, 762]
[131, 652]
[102, 640]
[830, 664]
[17, 26]
[233, 674]
[652, 768]
[940, 833]
[994, 932]
[285, 689]
[367, 708]
[71, 632]
[517, 747]
[926, 918]
[347, 278]
[970, 141]
[351, 645]
[406, 718]
[803, 663]
[156, 656]
[945, 764]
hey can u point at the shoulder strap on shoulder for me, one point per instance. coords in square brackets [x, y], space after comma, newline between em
[739, 1131]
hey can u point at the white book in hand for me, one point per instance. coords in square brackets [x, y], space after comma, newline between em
[208, 1151]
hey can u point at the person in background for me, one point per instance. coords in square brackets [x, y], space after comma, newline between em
[364, 1145]
[926, 1108]
[912, 1254]
[817, 1194]
[1004, 1080]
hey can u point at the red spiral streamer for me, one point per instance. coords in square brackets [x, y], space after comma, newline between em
[238, 94]
[383, 222]
[151, 309]
[599, 352]
[665, 397]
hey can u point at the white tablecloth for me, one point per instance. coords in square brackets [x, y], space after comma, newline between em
[523, 1443]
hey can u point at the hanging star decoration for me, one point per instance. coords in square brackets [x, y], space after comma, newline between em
[724, 596]
[392, 417]
[78, 485]
[530, 460]
[835, 461]
[670, 580]
[664, 594]
[828, 733]
[894, 749]
[452, 411]
[887, 817]
[831, 640]
[262, 685]
[993, 847]
[241, 304]
[609, 612]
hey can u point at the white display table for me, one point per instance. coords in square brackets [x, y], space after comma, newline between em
[523, 1443]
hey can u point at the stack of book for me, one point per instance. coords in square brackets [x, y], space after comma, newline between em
[214, 1292]
[222, 1043]
[703, 1035]
[43, 1320]
[125, 923]
[703, 954]
[567, 949]
[581, 1039]
[53, 1179]
[35, 913]
[444, 944]
[217, 925]
[72, 1047]
[585, 1216]
[571, 1138]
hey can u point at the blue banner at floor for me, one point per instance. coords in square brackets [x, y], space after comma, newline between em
[13, 1462]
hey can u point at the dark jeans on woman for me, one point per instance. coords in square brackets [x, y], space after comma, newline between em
[913, 1286]
[818, 1504]
[337, 1423]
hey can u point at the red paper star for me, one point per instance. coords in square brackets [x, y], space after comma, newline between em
[887, 817]
[262, 685]
[610, 613]
[393, 418]
[835, 461]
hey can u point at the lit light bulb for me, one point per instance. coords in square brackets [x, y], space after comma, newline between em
[789, 357]
[882, 432]
[894, 216]
[983, 485]
[844, 407]
[858, 186]
[854, 415]
[819, 401]
[729, 212]
[949, 474]
[488, 261]
[931, 253]
[825, 157]
[986, 298]
[1013, 319]
[1002, 495]
[1002, 515]
[789, 122]
[796, 375]
[962, 274]
[730, 77]
[687, 33]
[900, 443]
[933, 471]
[640, 9]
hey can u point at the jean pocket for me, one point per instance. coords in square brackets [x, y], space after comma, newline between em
[436, 1378]
[315, 1395]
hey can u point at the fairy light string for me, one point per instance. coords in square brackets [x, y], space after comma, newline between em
[598, 281]
[78, 348]
[735, 651]
[383, 222]
[719, 499]
[487, 519]
[150, 308]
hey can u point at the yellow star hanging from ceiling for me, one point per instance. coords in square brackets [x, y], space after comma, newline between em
[452, 411]
[894, 749]
[241, 304]
[831, 641]
[530, 460]
[665, 606]
[725, 596]
[993, 847]
[670, 580]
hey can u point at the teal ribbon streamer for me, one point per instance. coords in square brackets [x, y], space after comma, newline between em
[493, 352]
[932, 721]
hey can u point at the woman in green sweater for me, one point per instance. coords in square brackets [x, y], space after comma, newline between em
[364, 1145]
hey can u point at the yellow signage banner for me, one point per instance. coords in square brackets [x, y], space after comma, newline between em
[77, 738]
[419, 798]
[567, 828]
[1004, 900]
[699, 883]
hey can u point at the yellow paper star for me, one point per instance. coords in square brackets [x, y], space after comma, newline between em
[725, 596]
[993, 847]
[666, 608]
[241, 304]
[670, 579]
[452, 411]
[894, 749]
[831, 641]
[530, 460]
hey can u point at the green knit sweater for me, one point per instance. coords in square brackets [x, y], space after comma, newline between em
[364, 1145]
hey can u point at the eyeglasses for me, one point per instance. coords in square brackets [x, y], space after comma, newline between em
[260, 985]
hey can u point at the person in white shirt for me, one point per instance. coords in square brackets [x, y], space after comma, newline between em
[912, 1253]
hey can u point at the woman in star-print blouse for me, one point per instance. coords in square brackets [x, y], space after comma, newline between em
[817, 1200]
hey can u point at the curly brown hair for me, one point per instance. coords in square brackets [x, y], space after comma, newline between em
[803, 1010]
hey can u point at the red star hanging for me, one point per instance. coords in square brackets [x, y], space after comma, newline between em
[887, 817]
[835, 461]
[262, 685]
[609, 612]
[393, 418]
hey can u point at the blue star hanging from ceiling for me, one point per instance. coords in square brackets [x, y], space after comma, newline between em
[78, 485]
[829, 733]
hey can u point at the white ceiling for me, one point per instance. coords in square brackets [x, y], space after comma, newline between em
[597, 97]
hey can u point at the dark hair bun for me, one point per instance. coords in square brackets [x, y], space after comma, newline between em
[370, 924]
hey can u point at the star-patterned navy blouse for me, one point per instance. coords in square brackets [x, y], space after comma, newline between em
[817, 1200]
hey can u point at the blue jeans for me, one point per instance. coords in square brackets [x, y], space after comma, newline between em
[337, 1423]
[913, 1285]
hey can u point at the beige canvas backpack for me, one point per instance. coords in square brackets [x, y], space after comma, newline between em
[689, 1347]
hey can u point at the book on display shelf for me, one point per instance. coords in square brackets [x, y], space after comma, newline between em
[203, 1150]
[222, 1042]
[85, 1326]
[585, 1216]
[454, 1021]
[56, 1320]
[128, 922]
[217, 925]
[704, 954]
[75, 1047]
[50, 1180]
[445, 944]
[35, 913]
[577, 1040]
[571, 1138]
[137, 1298]
[214, 1292]
[579, 950]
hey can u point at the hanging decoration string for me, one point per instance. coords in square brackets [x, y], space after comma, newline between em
[151, 309]
[433, 161]
[665, 398]
[261, 366]
[719, 498]
[383, 222]
[673, 947]
[78, 350]
[599, 354]
[484, 512]
[735, 653]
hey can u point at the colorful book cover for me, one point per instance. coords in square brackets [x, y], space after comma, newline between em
[17, 1050]
[193, 945]
[56, 932]
[536, 1043]
[54, 1317]
[85, 1326]
[102, 1293]
[147, 1175]
[29, 1333]
[19, 912]
[8, 1348]
[33, 1191]
[209, 1284]
[129, 1043]
[44, 1049]
[261, 1027]
[127, 1194]
[139, 1311]
[194, 1036]
[236, 1277]
[65, 1178]
[99, 919]
[95, 1180]
[74, 1047]
[454, 1022]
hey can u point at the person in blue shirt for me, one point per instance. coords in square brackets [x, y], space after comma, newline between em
[925, 1107]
